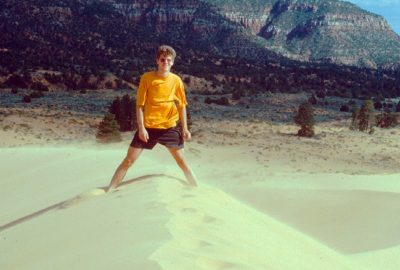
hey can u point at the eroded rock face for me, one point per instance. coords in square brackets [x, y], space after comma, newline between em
[326, 31]
[308, 30]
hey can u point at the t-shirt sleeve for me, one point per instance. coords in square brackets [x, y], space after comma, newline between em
[180, 95]
[141, 92]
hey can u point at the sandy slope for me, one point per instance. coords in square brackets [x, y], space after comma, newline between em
[54, 214]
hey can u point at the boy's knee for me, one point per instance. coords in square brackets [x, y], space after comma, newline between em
[127, 162]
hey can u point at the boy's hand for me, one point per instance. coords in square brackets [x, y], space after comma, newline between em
[186, 134]
[143, 135]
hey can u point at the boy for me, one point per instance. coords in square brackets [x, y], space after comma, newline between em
[160, 103]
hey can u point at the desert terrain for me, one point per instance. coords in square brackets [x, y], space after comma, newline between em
[266, 199]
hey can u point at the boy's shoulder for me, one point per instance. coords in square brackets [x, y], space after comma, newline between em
[175, 76]
[148, 74]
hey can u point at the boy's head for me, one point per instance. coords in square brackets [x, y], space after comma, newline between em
[165, 58]
[165, 50]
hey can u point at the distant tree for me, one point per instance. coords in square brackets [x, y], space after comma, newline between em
[321, 93]
[14, 90]
[127, 120]
[365, 117]
[115, 108]
[312, 100]
[352, 102]
[16, 80]
[108, 130]
[378, 105]
[354, 118]
[305, 119]
[398, 107]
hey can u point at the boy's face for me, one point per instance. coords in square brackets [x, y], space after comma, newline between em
[165, 62]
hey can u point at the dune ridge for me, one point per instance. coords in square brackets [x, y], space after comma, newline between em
[155, 221]
[212, 230]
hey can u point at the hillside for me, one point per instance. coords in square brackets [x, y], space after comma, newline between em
[107, 44]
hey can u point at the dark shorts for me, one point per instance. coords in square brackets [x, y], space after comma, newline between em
[170, 137]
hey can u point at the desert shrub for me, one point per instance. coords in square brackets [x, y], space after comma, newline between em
[224, 101]
[305, 119]
[125, 112]
[321, 93]
[352, 102]
[26, 99]
[237, 94]
[52, 78]
[36, 94]
[39, 86]
[354, 118]
[127, 119]
[208, 100]
[386, 120]
[108, 130]
[344, 108]
[16, 80]
[187, 80]
[109, 85]
[312, 100]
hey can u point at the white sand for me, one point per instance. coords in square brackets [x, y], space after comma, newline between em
[54, 214]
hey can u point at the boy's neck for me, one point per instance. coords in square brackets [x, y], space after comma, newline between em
[162, 73]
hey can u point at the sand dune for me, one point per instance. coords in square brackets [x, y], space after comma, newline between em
[55, 214]
[349, 221]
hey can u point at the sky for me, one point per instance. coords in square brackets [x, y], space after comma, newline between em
[389, 9]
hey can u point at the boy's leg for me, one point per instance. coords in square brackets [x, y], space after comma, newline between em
[131, 157]
[180, 160]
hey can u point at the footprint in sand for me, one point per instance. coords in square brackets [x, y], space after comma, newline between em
[209, 219]
[188, 195]
[189, 210]
[195, 151]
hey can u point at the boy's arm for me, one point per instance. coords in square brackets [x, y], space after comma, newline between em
[143, 135]
[183, 118]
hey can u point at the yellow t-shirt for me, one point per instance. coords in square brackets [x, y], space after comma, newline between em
[160, 98]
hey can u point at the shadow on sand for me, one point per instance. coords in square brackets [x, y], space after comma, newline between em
[82, 197]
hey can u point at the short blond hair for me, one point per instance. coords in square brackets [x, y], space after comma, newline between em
[165, 50]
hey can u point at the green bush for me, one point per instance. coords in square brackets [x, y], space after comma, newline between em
[108, 130]
[365, 117]
[305, 119]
